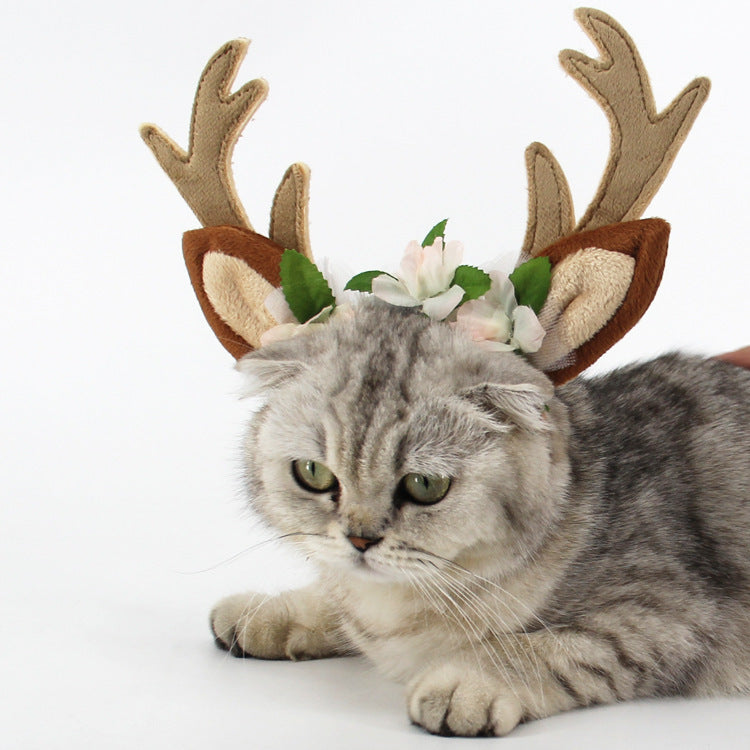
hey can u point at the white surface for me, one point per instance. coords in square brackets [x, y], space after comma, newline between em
[118, 466]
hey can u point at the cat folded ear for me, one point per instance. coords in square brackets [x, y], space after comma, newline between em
[270, 367]
[523, 405]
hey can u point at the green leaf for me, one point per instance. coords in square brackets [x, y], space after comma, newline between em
[473, 281]
[531, 281]
[437, 231]
[362, 282]
[304, 286]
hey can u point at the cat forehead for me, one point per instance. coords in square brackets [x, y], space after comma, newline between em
[384, 352]
[381, 396]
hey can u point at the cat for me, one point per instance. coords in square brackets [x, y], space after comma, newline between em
[506, 549]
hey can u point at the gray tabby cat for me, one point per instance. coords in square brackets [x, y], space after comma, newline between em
[505, 549]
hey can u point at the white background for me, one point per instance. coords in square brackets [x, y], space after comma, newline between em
[120, 422]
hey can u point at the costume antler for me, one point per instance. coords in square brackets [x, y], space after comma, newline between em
[604, 274]
[597, 295]
[232, 268]
[644, 143]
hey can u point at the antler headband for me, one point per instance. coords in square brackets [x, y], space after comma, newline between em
[605, 269]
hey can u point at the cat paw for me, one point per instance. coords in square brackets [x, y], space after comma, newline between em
[264, 627]
[251, 625]
[455, 701]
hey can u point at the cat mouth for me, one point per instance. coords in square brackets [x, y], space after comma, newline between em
[363, 566]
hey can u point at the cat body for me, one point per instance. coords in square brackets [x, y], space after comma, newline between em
[592, 546]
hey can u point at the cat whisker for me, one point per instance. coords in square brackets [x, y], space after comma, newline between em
[471, 600]
[486, 614]
[500, 594]
[445, 598]
[455, 616]
[242, 553]
[498, 597]
[489, 583]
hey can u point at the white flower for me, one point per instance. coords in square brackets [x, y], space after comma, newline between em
[424, 279]
[337, 277]
[279, 308]
[289, 329]
[528, 333]
[497, 322]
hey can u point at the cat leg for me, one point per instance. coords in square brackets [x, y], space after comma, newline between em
[292, 625]
[486, 690]
[489, 687]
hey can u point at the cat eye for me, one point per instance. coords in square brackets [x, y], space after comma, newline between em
[313, 476]
[425, 488]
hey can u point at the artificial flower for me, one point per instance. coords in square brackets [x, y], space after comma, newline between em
[528, 333]
[497, 322]
[288, 325]
[424, 279]
[293, 328]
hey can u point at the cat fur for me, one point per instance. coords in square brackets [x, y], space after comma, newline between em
[593, 546]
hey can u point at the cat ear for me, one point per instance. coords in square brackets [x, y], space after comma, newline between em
[523, 405]
[273, 366]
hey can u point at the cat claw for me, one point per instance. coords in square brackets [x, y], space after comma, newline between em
[231, 644]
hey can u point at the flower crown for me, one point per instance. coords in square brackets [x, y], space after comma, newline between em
[497, 310]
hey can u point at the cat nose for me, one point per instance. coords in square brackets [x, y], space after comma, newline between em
[363, 543]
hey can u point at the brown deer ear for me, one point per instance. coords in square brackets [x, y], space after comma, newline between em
[603, 281]
[233, 270]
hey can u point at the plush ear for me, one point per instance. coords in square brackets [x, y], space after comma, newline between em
[603, 281]
[522, 405]
[233, 270]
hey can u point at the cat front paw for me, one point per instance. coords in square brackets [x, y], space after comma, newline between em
[269, 627]
[251, 625]
[456, 701]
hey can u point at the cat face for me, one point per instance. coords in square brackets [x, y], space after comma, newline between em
[388, 440]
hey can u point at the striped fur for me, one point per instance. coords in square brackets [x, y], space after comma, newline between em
[593, 546]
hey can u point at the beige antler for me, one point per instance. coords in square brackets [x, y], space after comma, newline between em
[604, 272]
[550, 203]
[203, 174]
[289, 223]
[643, 146]
[232, 268]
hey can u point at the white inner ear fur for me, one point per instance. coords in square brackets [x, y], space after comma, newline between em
[587, 289]
[238, 295]
[522, 404]
[263, 373]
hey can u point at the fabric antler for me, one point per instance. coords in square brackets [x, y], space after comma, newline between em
[232, 268]
[605, 269]
[605, 274]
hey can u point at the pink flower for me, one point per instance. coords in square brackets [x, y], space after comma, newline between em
[497, 322]
[424, 279]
